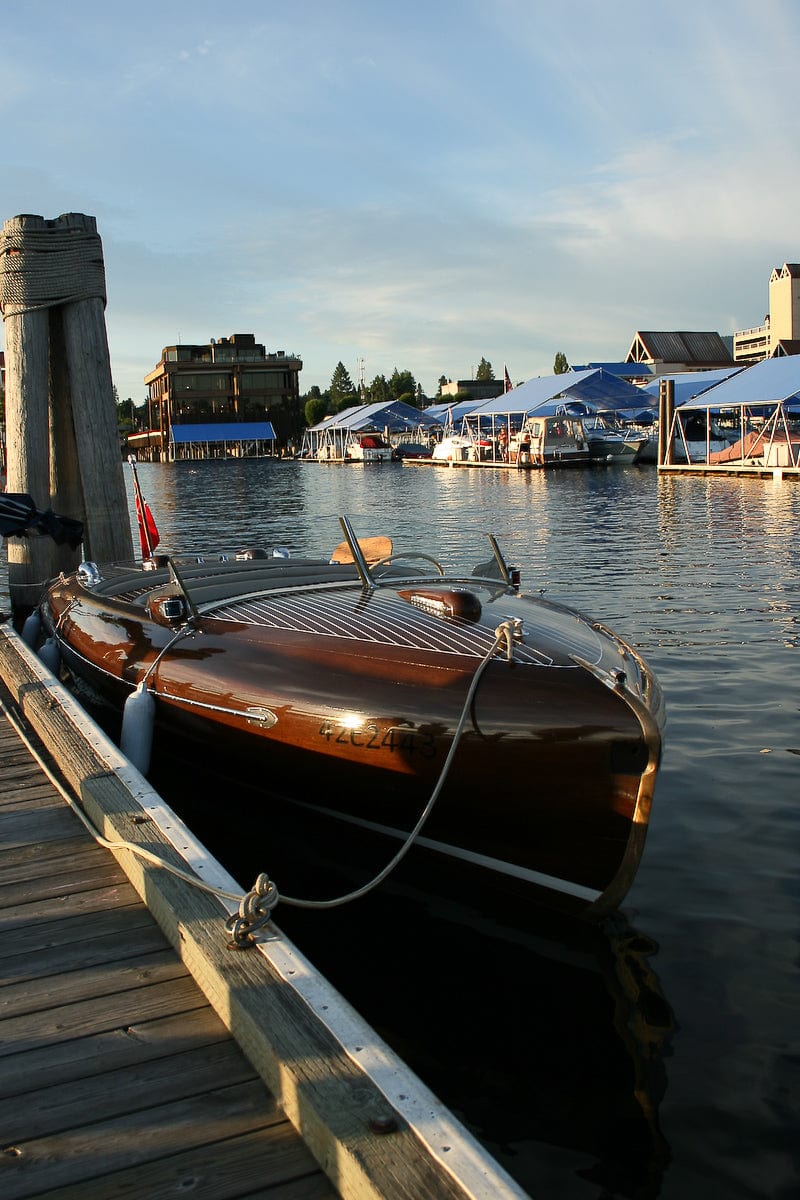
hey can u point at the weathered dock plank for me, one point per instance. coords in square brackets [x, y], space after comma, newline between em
[90, 1151]
[116, 1077]
[76, 982]
[125, 1045]
[43, 943]
[240, 1166]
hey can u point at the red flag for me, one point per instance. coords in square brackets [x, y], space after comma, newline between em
[507, 384]
[148, 533]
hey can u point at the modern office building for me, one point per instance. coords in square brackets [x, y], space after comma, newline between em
[472, 389]
[229, 397]
[780, 333]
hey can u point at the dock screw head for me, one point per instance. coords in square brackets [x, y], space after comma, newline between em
[383, 1125]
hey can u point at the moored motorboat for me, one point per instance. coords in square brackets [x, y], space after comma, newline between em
[550, 441]
[489, 726]
[612, 443]
[455, 448]
[368, 448]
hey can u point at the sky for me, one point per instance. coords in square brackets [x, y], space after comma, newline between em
[413, 186]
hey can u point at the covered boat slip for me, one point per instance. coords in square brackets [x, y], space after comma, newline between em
[756, 412]
[537, 424]
[338, 439]
[89, 1103]
[238, 439]
[210, 439]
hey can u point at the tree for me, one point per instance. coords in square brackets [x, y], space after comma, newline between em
[342, 391]
[484, 370]
[560, 366]
[126, 413]
[315, 408]
[403, 385]
[378, 390]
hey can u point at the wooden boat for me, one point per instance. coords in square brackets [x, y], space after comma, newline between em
[524, 737]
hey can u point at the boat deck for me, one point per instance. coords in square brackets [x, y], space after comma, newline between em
[117, 1076]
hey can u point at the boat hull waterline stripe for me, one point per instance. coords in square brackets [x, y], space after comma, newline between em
[552, 882]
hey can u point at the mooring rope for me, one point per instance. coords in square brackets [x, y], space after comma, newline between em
[255, 906]
[42, 268]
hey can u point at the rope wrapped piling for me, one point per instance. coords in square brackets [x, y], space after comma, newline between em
[61, 421]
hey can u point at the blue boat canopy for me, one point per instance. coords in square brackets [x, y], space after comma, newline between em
[395, 416]
[233, 431]
[772, 381]
[623, 370]
[594, 388]
[451, 414]
[689, 384]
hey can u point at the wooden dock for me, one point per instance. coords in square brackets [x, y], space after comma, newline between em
[141, 1056]
[116, 1075]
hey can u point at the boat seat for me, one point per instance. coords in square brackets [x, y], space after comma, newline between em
[373, 549]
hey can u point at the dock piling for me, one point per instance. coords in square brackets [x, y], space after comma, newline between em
[63, 446]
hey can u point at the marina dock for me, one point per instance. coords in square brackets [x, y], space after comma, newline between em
[142, 1054]
[117, 1075]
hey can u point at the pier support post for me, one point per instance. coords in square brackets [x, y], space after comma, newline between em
[61, 428]
[666, 412]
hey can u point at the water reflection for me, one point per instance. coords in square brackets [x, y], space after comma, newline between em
[547, 1036]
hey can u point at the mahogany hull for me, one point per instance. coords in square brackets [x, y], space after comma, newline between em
[348, 702]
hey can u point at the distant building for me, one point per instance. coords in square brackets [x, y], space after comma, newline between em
[667, 353]
[236, 394]
[473, 389]
[780, 333]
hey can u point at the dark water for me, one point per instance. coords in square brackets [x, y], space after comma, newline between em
[658, 1056]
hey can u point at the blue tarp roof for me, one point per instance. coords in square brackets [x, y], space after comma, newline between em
[593, 387]
[234, 431]
[394, 416]
[451, 413]
[626, 370]
[689, 384]
[773, 381]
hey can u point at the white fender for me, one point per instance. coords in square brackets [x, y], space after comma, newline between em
[138, 718]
